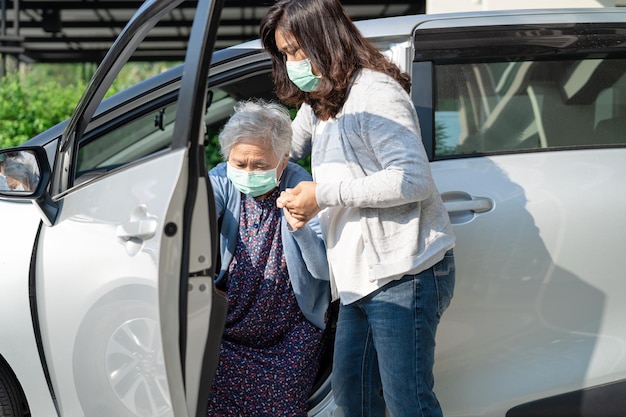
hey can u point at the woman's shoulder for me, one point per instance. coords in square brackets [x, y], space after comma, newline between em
[366, 77]
[218, 170]
[373, 91]
[217, 174]
[374, 85]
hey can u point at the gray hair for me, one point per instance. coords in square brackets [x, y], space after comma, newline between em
[269, 122]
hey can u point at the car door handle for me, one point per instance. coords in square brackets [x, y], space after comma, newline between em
[478, 205]
[141, 226]
[463, 207]
[139, 229]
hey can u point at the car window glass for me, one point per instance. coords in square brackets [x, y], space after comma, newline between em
[142, 136]
[139, 131]
[123, 144]
[145, 135]
[484, 107]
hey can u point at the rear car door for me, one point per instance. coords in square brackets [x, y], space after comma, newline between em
[129, 319]
[523, 114]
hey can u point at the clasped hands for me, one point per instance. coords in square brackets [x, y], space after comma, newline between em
[299, 204]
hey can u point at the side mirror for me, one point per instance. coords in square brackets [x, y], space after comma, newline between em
[25, 175]
[19, 173]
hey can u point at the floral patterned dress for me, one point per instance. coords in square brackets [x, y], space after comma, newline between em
[269, 354]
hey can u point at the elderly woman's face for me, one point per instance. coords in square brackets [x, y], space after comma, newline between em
[252, 155]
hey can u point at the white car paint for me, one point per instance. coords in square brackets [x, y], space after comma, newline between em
[550, 299]
[105, 263]
[19, 224]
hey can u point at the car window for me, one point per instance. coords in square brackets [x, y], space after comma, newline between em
[125, 143]
[488, 107]
[140, 130]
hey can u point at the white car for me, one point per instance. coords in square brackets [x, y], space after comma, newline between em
[107, 305]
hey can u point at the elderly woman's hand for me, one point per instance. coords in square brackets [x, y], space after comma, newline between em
[293, 223]
[300, 202]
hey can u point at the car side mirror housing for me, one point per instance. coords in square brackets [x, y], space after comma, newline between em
[25, 175]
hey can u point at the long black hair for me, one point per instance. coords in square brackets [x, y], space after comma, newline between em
[333, 44]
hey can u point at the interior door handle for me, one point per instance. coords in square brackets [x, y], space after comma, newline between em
[140, 226]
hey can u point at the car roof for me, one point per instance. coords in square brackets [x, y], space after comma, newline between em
[525, 16]
[405, 25]
[402, 26]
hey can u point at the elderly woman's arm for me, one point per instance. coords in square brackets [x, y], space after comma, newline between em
[312, 249]
[305, 254]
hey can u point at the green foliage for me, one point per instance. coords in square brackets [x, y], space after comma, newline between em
[41, 95]
[30, 105]
[134, 72]
[212, 153]
[441, 140]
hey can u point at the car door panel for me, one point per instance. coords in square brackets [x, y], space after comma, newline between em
[108, 274]
[525, 153]
[18, 344]
[522, 322]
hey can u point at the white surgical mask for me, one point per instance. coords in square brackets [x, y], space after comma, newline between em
[301, 74]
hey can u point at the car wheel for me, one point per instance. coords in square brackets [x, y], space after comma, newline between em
[118, 361]
[12, 399]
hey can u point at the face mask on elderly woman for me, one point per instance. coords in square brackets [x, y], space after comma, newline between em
[253, 183]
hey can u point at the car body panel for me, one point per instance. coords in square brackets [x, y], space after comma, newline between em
[401, 26]
[532, 288]
[115, 267]
[20, 223]
[537, 305]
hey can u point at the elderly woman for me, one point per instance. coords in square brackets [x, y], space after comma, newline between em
[276, 279]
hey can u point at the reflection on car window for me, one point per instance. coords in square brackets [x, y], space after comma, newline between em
[145, 135]
[129, 142]
[509, 106]
[220, 110]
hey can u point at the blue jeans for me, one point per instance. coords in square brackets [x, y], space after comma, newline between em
[385, 346]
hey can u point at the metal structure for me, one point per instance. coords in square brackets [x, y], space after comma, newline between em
[49, 31]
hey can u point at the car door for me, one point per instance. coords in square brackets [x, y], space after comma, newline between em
[528, 174]
[129, 319]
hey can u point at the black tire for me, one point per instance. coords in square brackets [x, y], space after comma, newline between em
[12, 399]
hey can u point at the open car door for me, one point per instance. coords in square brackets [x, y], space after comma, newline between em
[127, 314]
